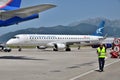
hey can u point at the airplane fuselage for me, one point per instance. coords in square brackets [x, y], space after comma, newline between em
[50, 40]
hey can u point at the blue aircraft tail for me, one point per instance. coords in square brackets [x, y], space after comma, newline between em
[15, 3]
[10, 5]
[100, 29]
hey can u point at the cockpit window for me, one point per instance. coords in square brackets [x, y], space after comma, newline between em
[15, 37]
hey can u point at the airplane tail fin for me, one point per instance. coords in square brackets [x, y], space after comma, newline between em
[100, 29]
[15, 3]
[10, 4]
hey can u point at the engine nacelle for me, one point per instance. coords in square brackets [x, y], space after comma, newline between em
[59, 46]
[41, 47]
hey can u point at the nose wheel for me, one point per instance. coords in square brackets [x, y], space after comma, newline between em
[19, 48]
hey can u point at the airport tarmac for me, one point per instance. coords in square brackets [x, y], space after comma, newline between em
[33, 64]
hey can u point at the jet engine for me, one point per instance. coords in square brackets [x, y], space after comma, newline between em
[58, 46]
[41, 47]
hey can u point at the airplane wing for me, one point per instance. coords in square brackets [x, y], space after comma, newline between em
[25, 12]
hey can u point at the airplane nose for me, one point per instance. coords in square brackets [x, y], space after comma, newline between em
[12, 42]
[8, 42]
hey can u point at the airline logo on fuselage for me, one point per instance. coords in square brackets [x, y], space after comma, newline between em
[99, 31]
[86, 37]
[4, 3]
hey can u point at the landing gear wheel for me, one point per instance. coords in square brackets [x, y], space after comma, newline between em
[68, 49]
[19, 49]
[78, 47]
[54, 49]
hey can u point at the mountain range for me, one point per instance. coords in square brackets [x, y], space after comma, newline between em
[84, 27]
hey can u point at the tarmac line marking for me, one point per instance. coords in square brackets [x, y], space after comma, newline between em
[81, 75]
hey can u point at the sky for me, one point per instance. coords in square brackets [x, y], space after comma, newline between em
[67, 12]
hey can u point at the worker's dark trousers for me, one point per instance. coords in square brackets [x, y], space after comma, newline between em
[101, 63]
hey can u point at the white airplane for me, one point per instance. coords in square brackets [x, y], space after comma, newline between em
[56, 41]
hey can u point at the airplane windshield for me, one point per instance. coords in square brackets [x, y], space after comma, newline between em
[15, 37]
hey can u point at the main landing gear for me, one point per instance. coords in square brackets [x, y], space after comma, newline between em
[67, 48]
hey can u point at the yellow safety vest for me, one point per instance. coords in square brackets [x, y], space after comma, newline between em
[101, 52]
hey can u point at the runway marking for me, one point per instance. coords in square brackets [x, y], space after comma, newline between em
[81, 75]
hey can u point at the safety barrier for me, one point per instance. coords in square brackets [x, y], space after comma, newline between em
[116, 48]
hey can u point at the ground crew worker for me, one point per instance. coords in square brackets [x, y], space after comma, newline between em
[101, 51]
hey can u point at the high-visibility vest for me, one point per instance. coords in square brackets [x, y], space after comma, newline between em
[101, 52]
